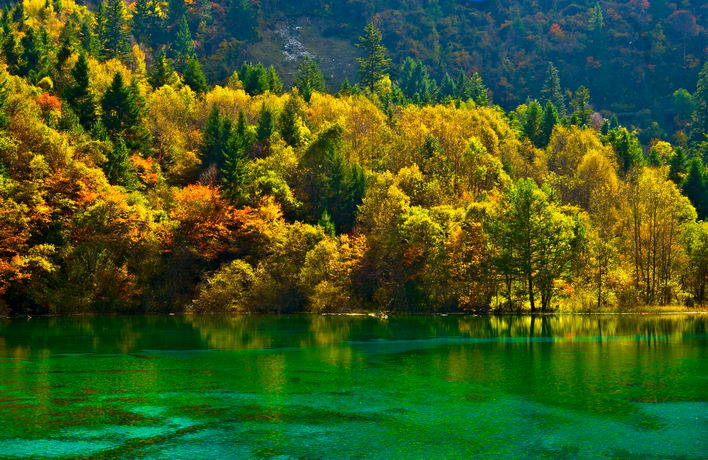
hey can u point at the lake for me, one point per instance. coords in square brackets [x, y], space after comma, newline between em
[355, 387]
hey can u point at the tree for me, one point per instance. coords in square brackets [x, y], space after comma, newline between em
[119, 111]
[275, 84]
[329, 183]
[242, 19]
[415, 82]
[657, 218]
[627, 147]
[266, 123]
[255, 78]
[292, 126]
[161, 73]
[216, 135]
[581, 107]
[115, 31]
[550, 120]
[79, 95]
[696, 188]
[234, 170]
[536, 239]
[699, 133]
[194, 77]
[373, 65]
[183, 47]
[309, 78]
[552, 92]
[35, 59]
[677, 167]
[533, 123]
[118, 168]
[146, 21]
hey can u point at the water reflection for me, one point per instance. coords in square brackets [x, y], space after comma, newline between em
[128, 383]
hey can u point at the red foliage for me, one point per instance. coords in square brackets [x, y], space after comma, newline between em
[48, 103]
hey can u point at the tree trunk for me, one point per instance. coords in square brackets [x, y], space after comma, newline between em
[531, 298]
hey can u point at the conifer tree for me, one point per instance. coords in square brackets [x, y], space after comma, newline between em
[146, 21]
[550, 119]
[695, 187]
[677, 166]
[275, 85]
[291, 119]
[234, 170]
[79, 95]
[35, 61]
[12, 49]
[374, 63]
[118, 109]
[161, 73]
[699, 133]
[309, 78]
[183, 46]
[118, 168]
[552, 91]
[194, 77]
[242, 19]
[115, 31]
[532, 123]
[266, 123]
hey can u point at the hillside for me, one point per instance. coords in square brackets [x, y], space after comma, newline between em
[133, 178]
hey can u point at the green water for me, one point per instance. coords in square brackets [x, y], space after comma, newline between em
[354, 387]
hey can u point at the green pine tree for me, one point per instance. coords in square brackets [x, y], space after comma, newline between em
[309, 78]
[695, 187]
[79, 96]
[194, 77]
[374, 63]
[118, 168]
[552, 91]
[115, 32]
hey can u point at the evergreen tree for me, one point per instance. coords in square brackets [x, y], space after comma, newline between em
[448, 87]
[699, 133]
[309, 78]
[415, 82]
[161, 73]
[597, 22]
[551, 90]
[291, 119]
[275, 85]
[234, 171]
[79, 95]
[627, 147]
[146, 21]
[330, 184]
[550, 119]
[4, 117]
[183, 46]
[266, 123]
[255, 79]
[194, 77]
[13, 52]
[35, 60]
[87, 38]
[581, 107]
[695, 187]
[533, 123]
[677, 167]
[242, 19]
[373, 65]
[119, 112]
[115, 41]
[118, 168]
[215, 138]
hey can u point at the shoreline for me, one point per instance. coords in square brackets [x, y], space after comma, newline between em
[385, 315]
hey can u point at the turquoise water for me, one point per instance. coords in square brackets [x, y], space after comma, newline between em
[354, 387]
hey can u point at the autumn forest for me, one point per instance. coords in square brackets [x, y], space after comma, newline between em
[486, 156]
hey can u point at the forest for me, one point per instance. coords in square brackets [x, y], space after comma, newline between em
[148, 165]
